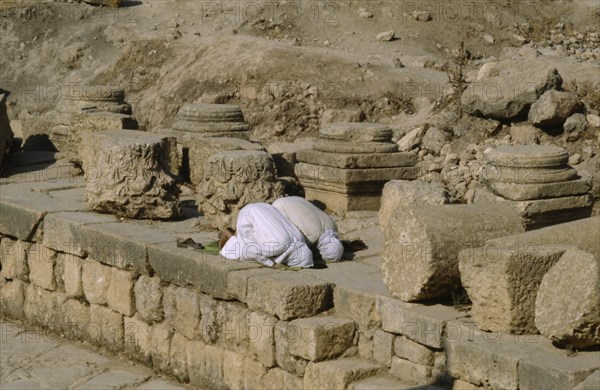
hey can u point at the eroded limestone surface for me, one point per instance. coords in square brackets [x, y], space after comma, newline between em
[127, 173]
[233, 179]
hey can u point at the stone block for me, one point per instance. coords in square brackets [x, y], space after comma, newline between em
[254, 373]
[14, 259]
[383, 346]
[76, 319]
[417, 353]
[261, 338]
[545, 212]
[320, 338]
[357, 161]
[59, 271]
[96, 280]
[106, 328]
[379, 383]
[285, 360]
[22, 216]
[62, 231]
[237, 281]
[198, 149]
[567, 302]
[226, 323]
[502, 283]
[521, 192]
[122, 245]
[44, 308]
[353, 176]
[400, 193]
[208, 273]
[146, 188]
[420, 258]
[365, 344]
[411, 373]
[120, 294]
[72, 275]
[338, 374]
[211, 120]
[12, 299]
[233, 179]
[356, 132]
[233, 370]
[182, 310]
[592, 382]
[148, 299]
[423, 324]
[205, 365]
[40, 261]
[160, 342]
[83, 124]
[137, 339]
[528, 156]
[356, 304]
[278, 379]
[563, 234]
[545, 368]
[178, 357]
[332, 146]
[289, 295]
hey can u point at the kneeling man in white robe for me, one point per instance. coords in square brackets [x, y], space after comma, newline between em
[266, 236]
[318, 228]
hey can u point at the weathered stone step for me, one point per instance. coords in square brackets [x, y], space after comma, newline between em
[338, 374]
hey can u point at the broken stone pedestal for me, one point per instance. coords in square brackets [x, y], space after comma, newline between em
[568, 301]
[128, 173]
[350, 164]
[538, 183]
[233, 179]
[206, 129]
[420, 258]
[502, 277]
[90, 109]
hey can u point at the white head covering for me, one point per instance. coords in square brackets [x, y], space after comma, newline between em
[232, 249]
[330, 246]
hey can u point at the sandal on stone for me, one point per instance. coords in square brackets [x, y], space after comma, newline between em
[189, 243]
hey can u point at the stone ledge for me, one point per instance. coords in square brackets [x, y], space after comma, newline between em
[513, 361]
[209, 273]
[423, 324]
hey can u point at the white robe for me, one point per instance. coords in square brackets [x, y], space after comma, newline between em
[318, 228]
[266, 236]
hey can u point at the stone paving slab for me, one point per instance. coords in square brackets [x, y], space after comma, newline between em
[34, 360]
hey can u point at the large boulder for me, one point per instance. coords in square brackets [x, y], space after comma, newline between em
[6, 134]
[553, 108]
[508, 93]
[568, 301]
